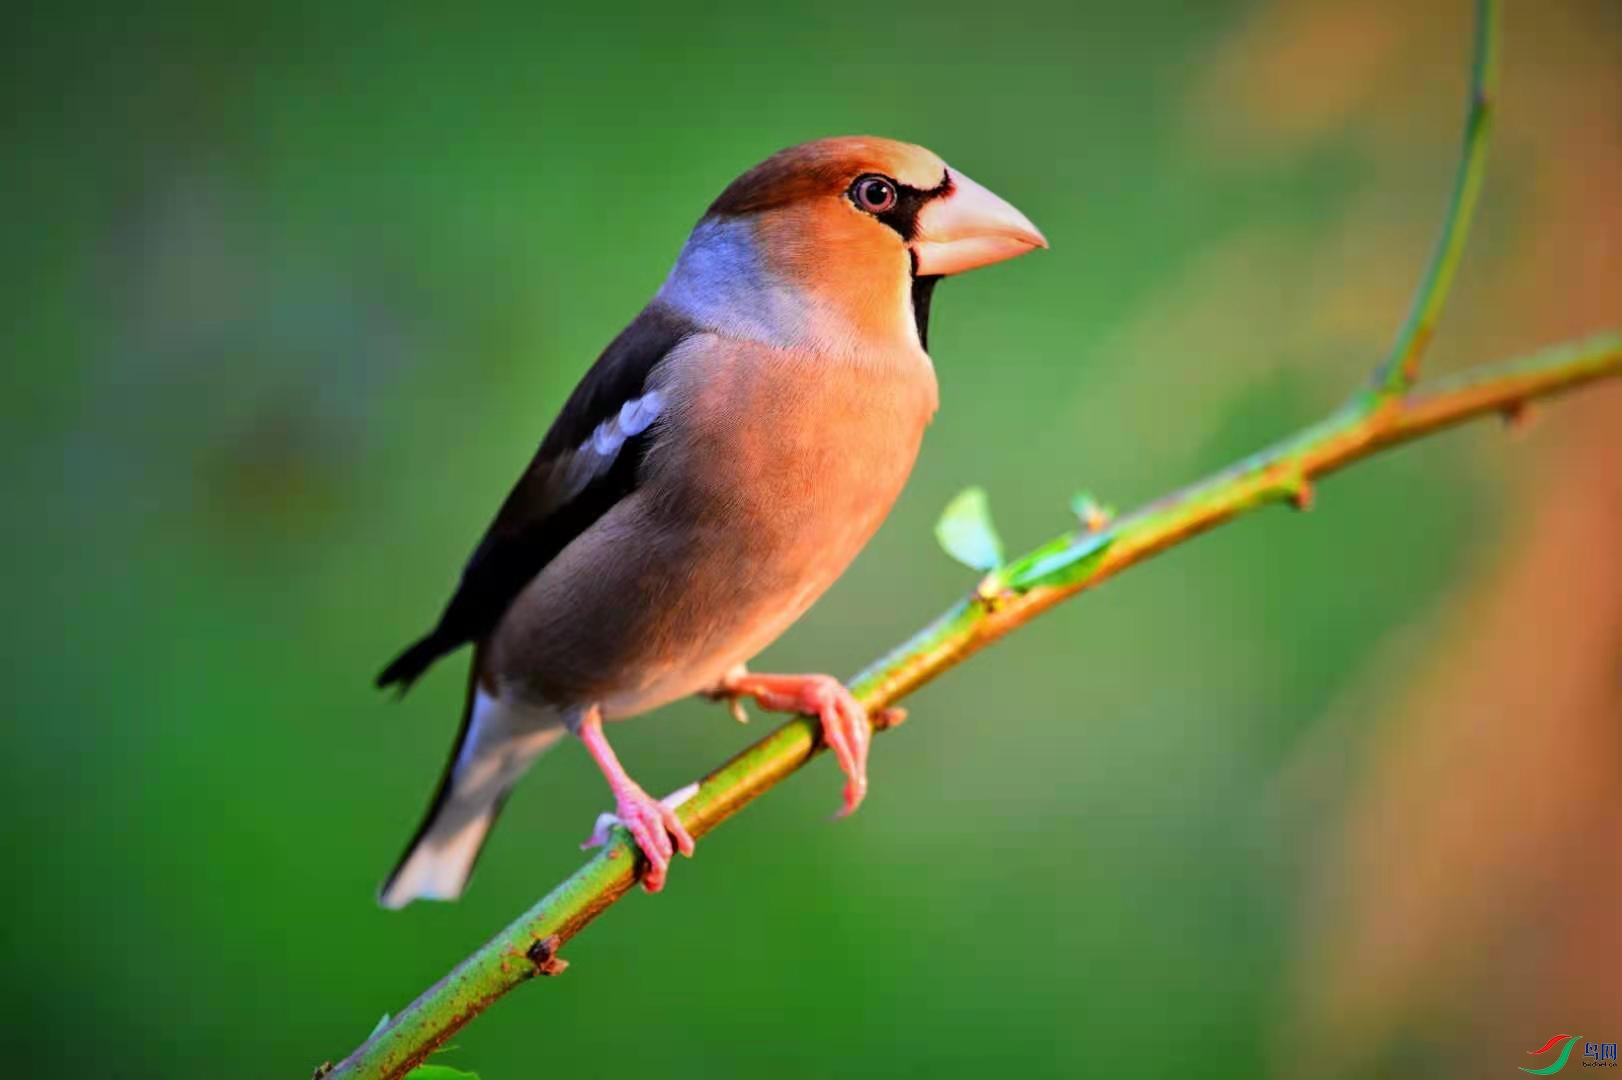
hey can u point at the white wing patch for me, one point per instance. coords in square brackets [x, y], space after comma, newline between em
[638, 413]
[634, 418]
[596, 455]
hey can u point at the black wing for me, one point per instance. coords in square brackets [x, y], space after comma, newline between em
[558, 497]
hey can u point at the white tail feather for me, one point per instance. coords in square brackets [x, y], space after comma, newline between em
[497, 748]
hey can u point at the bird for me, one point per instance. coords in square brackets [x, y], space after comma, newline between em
[711, 475]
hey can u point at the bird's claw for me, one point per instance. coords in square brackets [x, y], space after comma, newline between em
[846, 731]
[599, 830]
[845, 727]
[653, 825]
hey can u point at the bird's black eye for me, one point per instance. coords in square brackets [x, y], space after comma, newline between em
[875, 194]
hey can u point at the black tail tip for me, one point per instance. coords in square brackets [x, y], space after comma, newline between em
[406, 668]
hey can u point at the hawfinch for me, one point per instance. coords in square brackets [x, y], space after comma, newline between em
[717, 468]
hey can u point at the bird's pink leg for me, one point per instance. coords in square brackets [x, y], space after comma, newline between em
[845, 726]
[652, 824]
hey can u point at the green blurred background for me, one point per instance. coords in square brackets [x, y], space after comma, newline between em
[292, 291]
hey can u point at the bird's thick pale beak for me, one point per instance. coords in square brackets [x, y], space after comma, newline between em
[970, 227]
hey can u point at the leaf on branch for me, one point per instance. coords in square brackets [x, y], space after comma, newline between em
[1056, 564]
[965, 531]
[439, 1072]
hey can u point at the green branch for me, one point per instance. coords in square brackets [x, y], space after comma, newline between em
[1400, 368]
[1390, 412]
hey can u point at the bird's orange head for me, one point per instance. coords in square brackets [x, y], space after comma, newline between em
[858, 228]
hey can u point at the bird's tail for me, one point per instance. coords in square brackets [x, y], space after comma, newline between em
[406, 668]
[497, 743]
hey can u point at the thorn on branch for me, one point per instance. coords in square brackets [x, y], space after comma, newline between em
[544, 955]
[992, 591]
[1302, 494]
[1093, 515]
[321, 1070]
[1416, 353]
[885, 719]
[1517, 416]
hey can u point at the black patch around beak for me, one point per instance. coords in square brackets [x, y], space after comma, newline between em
[909, 202]
[923, 294]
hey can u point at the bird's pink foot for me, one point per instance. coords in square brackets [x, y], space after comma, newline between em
[654, 825]
[845, 726]
[655, 828]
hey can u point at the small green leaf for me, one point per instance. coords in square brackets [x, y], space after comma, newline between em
[439, 1072]
[1064, 561]
[966, 534]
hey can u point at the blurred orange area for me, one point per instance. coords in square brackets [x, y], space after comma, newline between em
[1467, 904]
[1472, 888]
[1391, 77]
